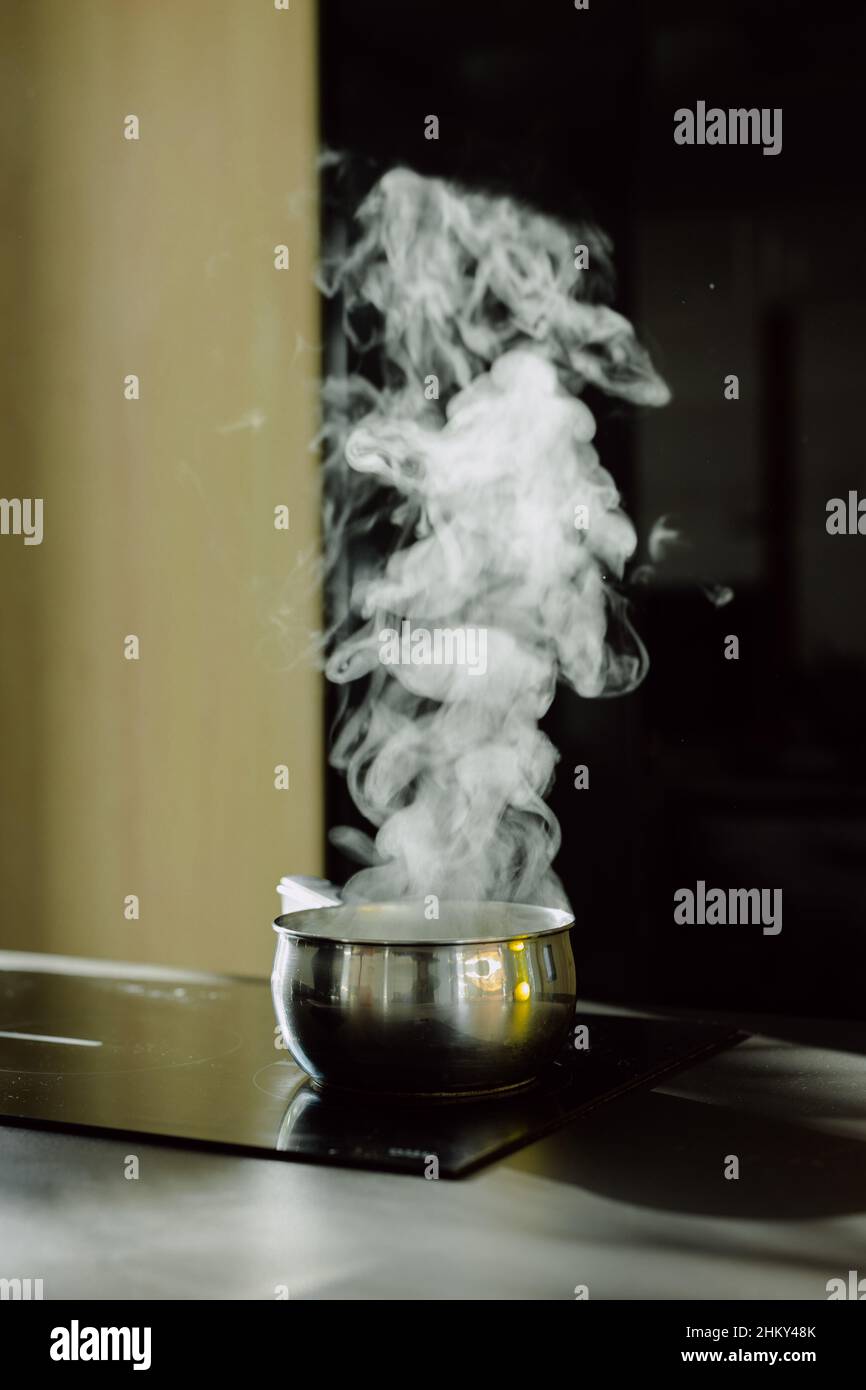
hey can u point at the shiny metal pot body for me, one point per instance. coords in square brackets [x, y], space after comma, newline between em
[403, 1012]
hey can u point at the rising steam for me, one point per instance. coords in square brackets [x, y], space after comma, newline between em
[500, 518]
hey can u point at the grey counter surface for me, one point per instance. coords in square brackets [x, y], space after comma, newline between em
[631, 1201]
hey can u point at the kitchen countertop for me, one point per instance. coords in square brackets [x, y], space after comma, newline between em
[631, 1201]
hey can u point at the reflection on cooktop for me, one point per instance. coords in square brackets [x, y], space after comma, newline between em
[204, 1064]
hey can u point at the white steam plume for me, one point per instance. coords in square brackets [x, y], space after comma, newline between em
[502, 520]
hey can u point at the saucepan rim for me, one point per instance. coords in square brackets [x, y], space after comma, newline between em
[403, 923]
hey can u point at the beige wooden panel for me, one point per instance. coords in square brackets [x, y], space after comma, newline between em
[156, 257]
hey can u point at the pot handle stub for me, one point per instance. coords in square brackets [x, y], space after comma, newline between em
[299, 893]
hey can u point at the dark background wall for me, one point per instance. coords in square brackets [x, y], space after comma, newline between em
[747, 773]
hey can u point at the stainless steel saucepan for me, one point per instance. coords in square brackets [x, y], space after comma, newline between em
[379, 997]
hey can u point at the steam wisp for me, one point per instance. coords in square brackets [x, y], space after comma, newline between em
[477, 452]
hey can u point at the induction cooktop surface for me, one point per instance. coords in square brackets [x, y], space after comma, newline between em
[202, 1063]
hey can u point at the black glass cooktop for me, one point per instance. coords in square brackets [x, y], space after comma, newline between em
[202, 1064]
